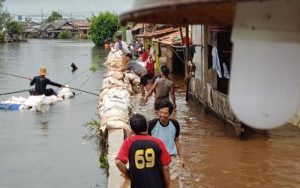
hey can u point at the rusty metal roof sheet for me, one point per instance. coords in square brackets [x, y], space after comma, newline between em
[183, 12]
[171, 39]
[138, 26]
[158, 33]
[80, 23]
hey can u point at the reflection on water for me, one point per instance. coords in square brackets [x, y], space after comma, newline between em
[44, 128]
[49, 148]
[215, 158]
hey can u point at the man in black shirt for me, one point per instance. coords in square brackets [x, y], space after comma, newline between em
[41, 83]
[147, 156]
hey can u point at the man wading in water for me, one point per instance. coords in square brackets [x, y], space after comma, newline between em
[41, 83]
[168, 130]
[163, 87]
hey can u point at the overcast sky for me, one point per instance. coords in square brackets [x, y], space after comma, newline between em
[67, 7]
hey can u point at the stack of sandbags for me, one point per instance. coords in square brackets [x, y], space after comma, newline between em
[115, 59]
[134, 81]
[114, 104]
[118, 75]
[131, 77]
[114, 100]
[115, 108]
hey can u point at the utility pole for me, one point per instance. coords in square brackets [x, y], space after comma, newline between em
[42, 16]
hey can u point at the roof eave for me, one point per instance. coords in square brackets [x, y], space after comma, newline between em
[208, 13]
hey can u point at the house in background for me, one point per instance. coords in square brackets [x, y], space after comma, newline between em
[30, 29]
[150, 36]
[77, 28]
[51, 30]
[81, 28]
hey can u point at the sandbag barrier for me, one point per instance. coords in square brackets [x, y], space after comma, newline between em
[114, 106]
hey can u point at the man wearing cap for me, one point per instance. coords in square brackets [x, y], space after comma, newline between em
[41, 83]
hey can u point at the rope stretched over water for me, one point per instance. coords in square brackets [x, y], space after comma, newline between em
[30, 79]
[83, 91]
[80, 74]
[15, 75]
[21, 91]
[13, 92]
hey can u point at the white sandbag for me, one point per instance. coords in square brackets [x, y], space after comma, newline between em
[112, 112]
[50, 100]
[135, 79]
[18, 100]
[117, 125]
[115, 103]
[105, 118]
[115, 54]
[126, 80]
[120, 93]
[114, 74]
[33, 103]
[114, 61]
[136, 89]
[34, 100]
[110, 83]
[103, 94]
[65, 93]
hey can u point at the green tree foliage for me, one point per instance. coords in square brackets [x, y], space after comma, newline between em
[1, 37]
[4, 16]
[122, 32]
[65, 35]
[103, 26]
[13, 27]
[54, 16]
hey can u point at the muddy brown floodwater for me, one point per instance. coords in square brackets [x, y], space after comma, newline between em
[215, 157]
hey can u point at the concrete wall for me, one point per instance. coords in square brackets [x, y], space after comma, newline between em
[115, 140]
[202, 86]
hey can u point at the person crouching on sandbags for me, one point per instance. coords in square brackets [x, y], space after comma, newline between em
[139, 70]
[41, 83]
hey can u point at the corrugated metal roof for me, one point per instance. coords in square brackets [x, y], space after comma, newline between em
[171, 39]
[138, 26]
[158, 33]
[80, 23]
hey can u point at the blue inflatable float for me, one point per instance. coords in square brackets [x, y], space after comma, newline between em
[9, 106]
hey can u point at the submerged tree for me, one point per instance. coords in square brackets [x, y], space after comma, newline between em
[13, 27]
[65, 34]
[4, 16]
[103, 27]
[54, 16]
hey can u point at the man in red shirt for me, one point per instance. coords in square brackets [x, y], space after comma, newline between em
[147, 156]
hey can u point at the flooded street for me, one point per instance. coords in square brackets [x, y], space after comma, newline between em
[215, 157]
[52, 148]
